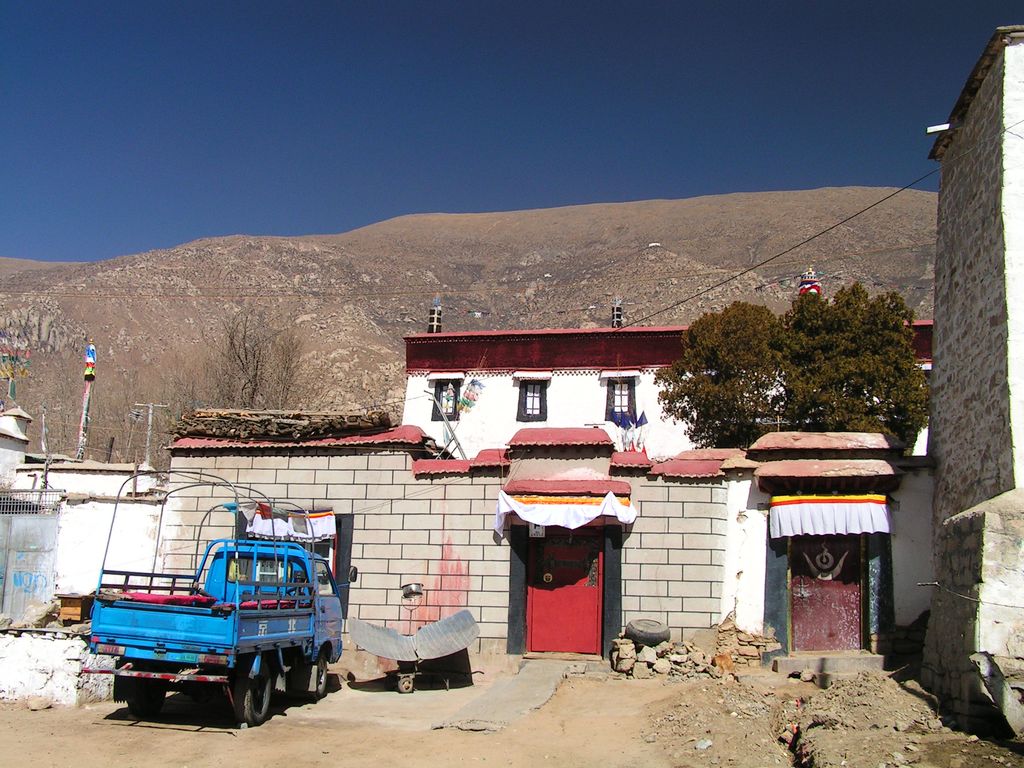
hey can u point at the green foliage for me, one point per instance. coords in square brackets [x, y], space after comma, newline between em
[840, 365]
[726, 384]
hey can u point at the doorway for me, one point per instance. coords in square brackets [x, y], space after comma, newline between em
[826, 592]
[565, 582]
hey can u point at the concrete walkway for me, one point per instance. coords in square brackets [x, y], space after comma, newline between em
[508, 699]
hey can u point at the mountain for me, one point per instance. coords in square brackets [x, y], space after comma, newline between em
[354, 295]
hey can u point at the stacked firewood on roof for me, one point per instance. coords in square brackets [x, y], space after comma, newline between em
[277, 425]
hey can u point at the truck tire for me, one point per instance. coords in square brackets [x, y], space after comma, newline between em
[251, 695]
[647, 632]
[320, 688]
[146, 697]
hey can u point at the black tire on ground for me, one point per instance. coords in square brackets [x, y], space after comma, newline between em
[146, 697]
[406, 683]
[320, 689]
[647, 631]
[252, 694]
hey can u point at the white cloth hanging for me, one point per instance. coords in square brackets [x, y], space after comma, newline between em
[570, 515]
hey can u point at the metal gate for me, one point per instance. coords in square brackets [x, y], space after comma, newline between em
[28, 551]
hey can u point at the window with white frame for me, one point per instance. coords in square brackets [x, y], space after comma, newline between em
[533, 401]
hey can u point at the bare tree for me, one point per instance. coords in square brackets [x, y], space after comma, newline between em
[258, 361]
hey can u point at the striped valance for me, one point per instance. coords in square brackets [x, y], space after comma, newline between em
[828, 514]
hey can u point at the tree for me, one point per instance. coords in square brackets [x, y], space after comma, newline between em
[726, 385]
[256, 360]
[849, 365]
[844, 365]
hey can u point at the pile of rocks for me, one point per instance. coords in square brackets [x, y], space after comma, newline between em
[682, 660]
[744, 648]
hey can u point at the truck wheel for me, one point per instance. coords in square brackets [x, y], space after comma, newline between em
[321, 675]
[406, 683]
[146, 697]
[251, 696]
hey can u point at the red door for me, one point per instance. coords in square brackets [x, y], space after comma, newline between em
[563, 594]
[826, 592]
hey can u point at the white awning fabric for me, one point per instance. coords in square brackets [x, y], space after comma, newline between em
[574, 514]
[824, 514]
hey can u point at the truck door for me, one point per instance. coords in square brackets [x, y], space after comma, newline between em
[328, 612]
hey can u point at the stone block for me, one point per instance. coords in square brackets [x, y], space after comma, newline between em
[333, 476]
[636, 555]
[490, 568]
[450, 507]
[417, 522]
[661, 540]
[448, 536]
[703, 541]
[462, 491]
[690, 525]
[648, 492]
[689, 493]
[702, 573]
[656, 572]
[384, 492]
[388, 461]
[690, 589]
[345, 491]
[643, 588]
[701, 604]
[350, 461]
[713, 511]
[650, 604]
[373, 477]
[385, 551]
[421, 551]
[270, 462]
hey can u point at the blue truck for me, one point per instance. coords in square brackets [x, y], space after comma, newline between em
[256, 616]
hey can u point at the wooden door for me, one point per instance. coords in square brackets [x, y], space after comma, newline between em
[825, 591]
[563, 595]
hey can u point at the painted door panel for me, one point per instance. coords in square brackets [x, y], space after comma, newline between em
[564, 592]
[826, 592]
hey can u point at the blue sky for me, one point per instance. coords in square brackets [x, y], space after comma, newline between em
[138, 125]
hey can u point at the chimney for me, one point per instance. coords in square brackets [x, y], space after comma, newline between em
[616, 312]
[434, 323]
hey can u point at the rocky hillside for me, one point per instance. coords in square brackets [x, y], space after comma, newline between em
[355, 295]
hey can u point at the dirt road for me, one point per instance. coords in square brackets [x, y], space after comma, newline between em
[611, 723]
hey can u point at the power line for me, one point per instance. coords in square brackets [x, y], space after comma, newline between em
[780, 254]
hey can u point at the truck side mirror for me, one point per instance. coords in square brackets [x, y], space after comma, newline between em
[353, 574]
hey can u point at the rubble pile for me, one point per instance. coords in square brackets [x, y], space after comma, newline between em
[281, 425]
[744, 648]
[678, 660]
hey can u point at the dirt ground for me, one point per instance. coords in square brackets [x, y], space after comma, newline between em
[863, 723]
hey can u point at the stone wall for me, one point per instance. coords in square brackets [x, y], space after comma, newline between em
[437, 530]
[978, 389]
[969, 426]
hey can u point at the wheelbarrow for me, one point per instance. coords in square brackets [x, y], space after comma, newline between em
[432, 641]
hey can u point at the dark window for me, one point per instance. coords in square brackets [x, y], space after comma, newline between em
[533, 401]
[446, 394]
[621, 398]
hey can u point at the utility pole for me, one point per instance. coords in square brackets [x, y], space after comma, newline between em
[149, 425]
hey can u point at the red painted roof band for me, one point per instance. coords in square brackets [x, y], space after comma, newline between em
[688, 468]
[631, 459]
[402, 435]
[568, 487]
[568, 348]
[491, 457]
[440, 467]
[555, 436]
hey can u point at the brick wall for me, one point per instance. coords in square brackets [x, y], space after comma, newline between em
[438, 531]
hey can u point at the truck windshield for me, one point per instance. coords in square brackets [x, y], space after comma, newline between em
[268, 570]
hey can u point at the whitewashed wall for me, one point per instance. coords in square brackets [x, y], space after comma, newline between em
[82, 538]
[88, 478]
[912, 561]
[576, 398]
[49, 666]
[12, 454]
[746, 539]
